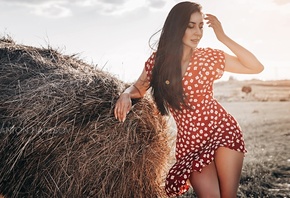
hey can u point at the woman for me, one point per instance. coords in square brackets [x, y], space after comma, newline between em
[209, 145]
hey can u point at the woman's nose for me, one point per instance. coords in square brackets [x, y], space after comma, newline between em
[198, 32]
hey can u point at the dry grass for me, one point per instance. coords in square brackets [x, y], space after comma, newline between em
[267, 133]
[59, 137]
[266, 126]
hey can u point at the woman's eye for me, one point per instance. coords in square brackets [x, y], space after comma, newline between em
[190, 26]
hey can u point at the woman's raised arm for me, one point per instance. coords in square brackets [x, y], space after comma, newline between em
[244, 62]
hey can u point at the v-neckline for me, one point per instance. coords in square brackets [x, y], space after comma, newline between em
[188, 66]
[186, 70]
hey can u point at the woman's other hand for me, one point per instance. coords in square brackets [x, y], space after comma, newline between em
[123, 106]
[136, 90]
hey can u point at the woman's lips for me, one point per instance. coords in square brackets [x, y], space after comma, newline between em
[195, 40]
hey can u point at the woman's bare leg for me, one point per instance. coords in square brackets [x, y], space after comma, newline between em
[229, 166]
[206, 184]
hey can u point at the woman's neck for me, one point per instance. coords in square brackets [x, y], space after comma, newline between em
[186, 56]
[187, 53]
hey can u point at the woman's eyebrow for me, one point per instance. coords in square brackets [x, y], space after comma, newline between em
[195, 22]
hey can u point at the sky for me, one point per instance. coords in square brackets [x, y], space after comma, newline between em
[114, 34]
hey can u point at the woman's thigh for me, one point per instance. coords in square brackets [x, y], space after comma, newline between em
[229, 166]
[206, 183]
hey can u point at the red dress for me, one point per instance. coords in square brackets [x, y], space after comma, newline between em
[203, 125]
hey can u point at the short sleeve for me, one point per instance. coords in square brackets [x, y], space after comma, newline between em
[149, 64]
[218, 58]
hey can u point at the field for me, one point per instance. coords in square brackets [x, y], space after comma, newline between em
[264, 115]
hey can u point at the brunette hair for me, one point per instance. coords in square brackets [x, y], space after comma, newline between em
[166, 74]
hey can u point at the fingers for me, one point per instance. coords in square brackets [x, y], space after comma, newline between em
[121, 110]
[118, 114]
[121, 113]
[211, 20]
[210, 17]
[216, 25]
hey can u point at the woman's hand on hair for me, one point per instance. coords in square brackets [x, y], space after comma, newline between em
[214, 23]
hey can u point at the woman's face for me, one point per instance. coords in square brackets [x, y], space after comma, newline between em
[194, 31]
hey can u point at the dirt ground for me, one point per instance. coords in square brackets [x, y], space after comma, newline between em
[262, 109]
[264, 115]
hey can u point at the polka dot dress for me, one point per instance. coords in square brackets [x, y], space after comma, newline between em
[203, 125]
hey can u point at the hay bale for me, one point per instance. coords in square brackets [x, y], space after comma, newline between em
[59, 137]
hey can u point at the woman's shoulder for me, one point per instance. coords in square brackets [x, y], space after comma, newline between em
[149, 64]
[150, 61]
[211, 53]
[208, 50]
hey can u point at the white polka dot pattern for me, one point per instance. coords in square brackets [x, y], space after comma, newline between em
[203, 125]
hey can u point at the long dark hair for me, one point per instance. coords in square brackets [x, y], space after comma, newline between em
[166, 75]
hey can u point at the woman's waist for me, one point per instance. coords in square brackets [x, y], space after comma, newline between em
[192, 100]
[208, 109]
